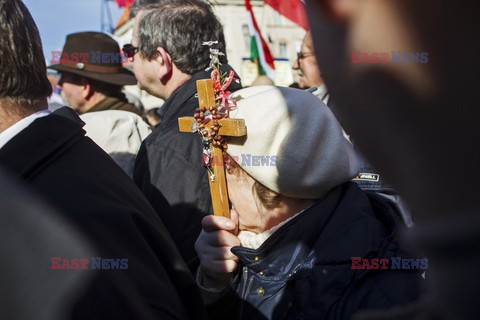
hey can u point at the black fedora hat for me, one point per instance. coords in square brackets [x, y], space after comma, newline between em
[93, 55]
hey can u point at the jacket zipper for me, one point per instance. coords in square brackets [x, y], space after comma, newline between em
[247, 283]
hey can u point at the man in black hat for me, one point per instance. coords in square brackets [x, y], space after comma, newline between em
[92, 73]
[51, 153]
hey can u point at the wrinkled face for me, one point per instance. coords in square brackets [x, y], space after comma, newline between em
[144, 69]
[243, 199]
[307, 66]
[73, 90]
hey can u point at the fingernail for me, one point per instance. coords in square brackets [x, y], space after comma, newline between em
[229, 224]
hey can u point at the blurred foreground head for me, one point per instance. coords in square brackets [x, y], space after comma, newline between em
[24, 86]
[417, 122]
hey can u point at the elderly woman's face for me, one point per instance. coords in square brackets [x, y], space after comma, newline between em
[242, 196]
[253, 215]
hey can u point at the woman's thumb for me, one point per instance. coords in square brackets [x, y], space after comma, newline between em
[234, 218]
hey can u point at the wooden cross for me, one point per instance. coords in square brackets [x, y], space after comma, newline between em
[229, 127]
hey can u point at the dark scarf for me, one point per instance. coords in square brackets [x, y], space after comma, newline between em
[110, 103]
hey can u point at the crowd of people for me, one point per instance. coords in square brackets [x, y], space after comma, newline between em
[104, 216]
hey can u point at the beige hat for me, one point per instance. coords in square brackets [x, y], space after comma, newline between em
[294, 144]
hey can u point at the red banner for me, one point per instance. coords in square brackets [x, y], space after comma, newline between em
[293, 10]
[124, 3]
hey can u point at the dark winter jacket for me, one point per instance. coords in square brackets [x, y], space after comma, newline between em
[304, 270]
[170, 163]
[57, 160]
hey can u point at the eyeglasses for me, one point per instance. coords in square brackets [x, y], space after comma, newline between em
[301, 55]
[70, 78]
[129, 51]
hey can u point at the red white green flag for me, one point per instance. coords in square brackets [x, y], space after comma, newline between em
[124, 3]
[293, 10]
[259, 50]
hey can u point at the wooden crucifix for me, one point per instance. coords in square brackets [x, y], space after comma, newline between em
[228, 127]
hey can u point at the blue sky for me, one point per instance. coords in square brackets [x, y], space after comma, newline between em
[57, 18]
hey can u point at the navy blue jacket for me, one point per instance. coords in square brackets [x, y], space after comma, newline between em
[304, 270]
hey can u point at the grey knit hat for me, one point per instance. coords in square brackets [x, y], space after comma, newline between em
[294, 145]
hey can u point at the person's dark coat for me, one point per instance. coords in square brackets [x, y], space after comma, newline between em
[304, 270]
[30, 231]
[170, 163]
[77, 177]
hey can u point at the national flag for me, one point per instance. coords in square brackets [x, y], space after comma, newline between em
[259, 50]
[293, 10]
[124, 3]
[123, 18]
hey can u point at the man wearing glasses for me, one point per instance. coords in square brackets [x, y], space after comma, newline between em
[94, 83]
[170, 58]
[50, 153]
[306, 65]
[92, 79]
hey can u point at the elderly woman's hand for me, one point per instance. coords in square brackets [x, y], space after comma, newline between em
[213, 248]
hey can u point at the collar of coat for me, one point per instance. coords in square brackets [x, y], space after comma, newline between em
[345, 223]
[41, 143]
[112, 103]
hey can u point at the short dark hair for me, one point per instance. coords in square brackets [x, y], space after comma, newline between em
[107, 89]
[23, 70]
[180, 27]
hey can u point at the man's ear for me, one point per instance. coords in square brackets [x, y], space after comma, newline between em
[88, 90]
[165, 62]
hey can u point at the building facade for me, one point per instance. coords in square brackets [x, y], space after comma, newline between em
[283, 37]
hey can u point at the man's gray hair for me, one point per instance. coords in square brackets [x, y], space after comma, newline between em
[180, 27]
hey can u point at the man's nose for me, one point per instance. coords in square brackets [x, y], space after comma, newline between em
[296, 64]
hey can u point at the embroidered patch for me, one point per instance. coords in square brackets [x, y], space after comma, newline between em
[367, 177]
